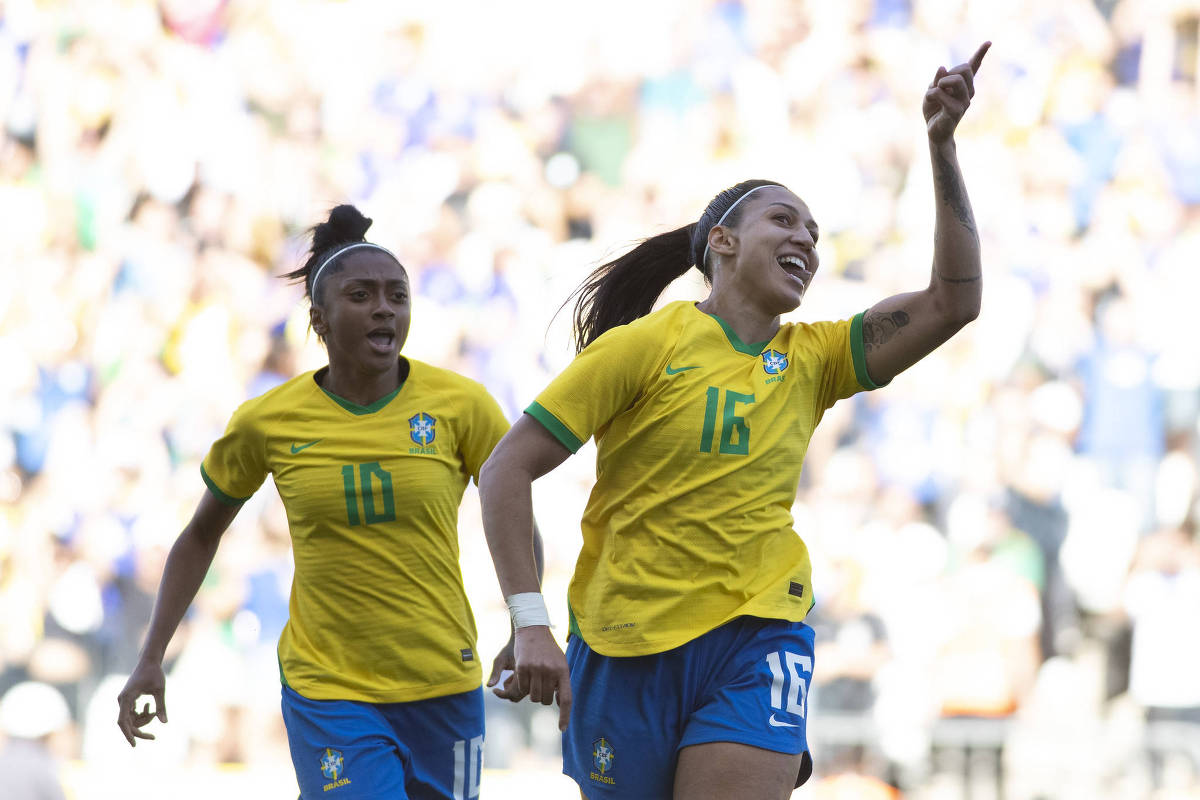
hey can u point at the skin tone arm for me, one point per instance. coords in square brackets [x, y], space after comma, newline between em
[506, 659]
[187, 564]
[901, 330]
[526, 453]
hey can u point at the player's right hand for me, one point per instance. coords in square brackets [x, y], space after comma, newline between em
[542, 670]
[147, 679]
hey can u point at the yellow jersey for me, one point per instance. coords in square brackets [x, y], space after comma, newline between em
[378, 611]
[700, 439]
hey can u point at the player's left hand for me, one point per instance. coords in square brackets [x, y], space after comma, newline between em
[949, 95]
[503, 676]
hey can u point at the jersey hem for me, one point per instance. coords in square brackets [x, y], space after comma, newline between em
[858, 352]
[224, 499]
[320, 692]
[552, 424]
[650, 648]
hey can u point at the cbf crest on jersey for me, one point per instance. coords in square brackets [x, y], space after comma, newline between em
[421, 429]
[774, 362]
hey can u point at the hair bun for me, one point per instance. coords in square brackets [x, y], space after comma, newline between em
[346, 224]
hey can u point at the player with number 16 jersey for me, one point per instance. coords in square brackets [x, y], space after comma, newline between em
[700, 439]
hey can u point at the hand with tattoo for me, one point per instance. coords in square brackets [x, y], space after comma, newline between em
[949, 95]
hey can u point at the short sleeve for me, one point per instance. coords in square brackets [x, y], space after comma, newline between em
[485, 426]
[604, 380]
[842, 347]
[236, 463]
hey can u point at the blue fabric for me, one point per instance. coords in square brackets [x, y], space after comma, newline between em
[423, 750]
[631, 716]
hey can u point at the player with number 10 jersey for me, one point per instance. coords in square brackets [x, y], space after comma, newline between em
[378, 612]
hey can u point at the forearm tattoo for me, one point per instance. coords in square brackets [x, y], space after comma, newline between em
[879, 328]
[953, 192]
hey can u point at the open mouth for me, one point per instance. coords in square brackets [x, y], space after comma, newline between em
[795, 266]
[382, 338]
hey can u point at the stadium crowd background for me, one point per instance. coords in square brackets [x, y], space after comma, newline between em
[1004, 539]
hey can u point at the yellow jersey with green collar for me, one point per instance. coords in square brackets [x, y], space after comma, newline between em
[378, 611]
[700, 440]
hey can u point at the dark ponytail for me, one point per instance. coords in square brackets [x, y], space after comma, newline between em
[346, 225]
[624, 289]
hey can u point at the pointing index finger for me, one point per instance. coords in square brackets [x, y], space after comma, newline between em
[977, 59]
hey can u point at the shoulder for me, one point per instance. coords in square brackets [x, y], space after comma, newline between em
[286, 396]
[818, 334]
[425, 374]
[653, 332]
[446, 382]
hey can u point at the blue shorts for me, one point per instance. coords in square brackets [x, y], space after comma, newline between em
[746, 682]
[424, 750]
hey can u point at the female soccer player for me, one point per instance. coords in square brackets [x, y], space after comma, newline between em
[371, 454]
[689, 659]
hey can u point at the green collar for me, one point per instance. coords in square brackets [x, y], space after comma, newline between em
[749, 349]
[355, 408]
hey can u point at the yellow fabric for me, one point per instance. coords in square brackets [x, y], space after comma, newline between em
[700, 440]
[377, 610]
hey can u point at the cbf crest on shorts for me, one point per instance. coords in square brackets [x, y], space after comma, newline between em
[603, 756]
[333, 767]
[774, 362]
[421, 429]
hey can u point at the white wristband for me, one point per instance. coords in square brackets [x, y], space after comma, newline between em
[527, 608]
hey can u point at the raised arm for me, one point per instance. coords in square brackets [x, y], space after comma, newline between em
[187, 564]
[527, 452]
[901, 330]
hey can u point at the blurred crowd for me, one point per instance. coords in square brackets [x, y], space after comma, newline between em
[1004, 540]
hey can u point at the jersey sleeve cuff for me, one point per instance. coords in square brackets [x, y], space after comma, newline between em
[225, 499]
[556, 428]
[858, 352]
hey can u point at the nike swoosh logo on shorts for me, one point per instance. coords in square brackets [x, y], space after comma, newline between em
[296, 449]
[671, 371]
[777, 724]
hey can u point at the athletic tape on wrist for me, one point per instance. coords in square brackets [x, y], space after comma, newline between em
[527, 608]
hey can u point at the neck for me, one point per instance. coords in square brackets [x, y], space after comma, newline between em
[750, 323]
[359, 387]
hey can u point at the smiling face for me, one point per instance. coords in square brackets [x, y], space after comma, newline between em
[768, 256]
[363, 312]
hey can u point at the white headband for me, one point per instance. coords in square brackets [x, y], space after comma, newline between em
[312, 292]
[704, 257]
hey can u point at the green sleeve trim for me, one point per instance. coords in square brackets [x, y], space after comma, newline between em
[556, 428]
[858, 351]
[217, 493]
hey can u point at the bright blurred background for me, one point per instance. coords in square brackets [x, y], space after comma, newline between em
[1004, 539]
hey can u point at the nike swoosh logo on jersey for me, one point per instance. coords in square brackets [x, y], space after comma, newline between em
[671, 371]
[777, 724]
[296, 449]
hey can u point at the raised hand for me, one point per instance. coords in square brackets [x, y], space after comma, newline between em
[949, 95]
